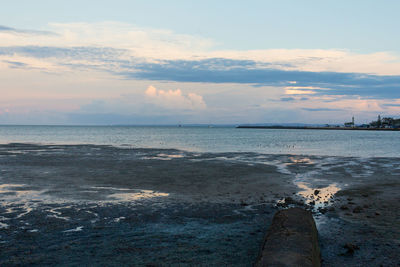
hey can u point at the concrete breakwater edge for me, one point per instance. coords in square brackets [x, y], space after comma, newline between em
[292, 240]
[102, 205]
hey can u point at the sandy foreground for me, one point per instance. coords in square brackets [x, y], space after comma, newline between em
[100, 205]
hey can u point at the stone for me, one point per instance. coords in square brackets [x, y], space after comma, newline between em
[357, 209]
[351, 248]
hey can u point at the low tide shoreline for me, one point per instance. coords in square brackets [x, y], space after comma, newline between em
[87, 204]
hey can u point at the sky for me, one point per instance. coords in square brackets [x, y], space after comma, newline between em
[198, 62]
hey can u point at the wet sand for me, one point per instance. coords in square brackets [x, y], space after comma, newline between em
[86, 204]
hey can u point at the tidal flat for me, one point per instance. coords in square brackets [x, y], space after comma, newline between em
[73, 205]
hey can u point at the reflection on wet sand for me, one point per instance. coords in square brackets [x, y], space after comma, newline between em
[162, 156]
[17, 201]
[142, 194]
[77, 229]
[304, 160]
[3, 225]
[19, 192]
[318, 196]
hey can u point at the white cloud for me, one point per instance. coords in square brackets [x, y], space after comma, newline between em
[158, 44]
[302, 90]
[332, 60]
[141, 42]
[174, 99]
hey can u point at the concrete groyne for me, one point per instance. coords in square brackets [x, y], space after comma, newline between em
[292, 240]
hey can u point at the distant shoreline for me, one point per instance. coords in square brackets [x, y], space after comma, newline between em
[317, 128]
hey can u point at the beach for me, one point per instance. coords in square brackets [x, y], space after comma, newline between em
[199, 133]
[96, 204]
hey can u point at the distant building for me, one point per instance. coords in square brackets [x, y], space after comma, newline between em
[379, 122]
[386, 122]
[364, 126]
[350, 124]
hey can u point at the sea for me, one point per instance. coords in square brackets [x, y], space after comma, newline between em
[215, 139]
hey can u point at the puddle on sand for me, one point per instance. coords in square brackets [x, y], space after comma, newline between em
[128, 194]
[165, 156]
[142, 194]
[77, 229]
[57, 214]
[119, 219]
[303, 160]
[3, 225]
[319, 196]
[18, 193]
[110, 188]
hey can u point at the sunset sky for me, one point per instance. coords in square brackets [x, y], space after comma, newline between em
[200, 62]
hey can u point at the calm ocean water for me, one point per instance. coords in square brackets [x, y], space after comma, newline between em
[218, 139]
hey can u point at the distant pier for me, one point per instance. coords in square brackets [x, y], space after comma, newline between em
[318, 128]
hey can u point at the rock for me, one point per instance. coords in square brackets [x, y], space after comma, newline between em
[282, 204]
[323, 210]
[357, 209]
[343, 207]
[351, 248]
[316, 192]
[292, 240]
[289, 200]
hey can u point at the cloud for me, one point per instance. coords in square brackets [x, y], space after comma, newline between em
[103, 68]
[141, 42]
[15, 64]
[290, 99]
[287, 99]
[139, 53]
[174, 99]
[329, 83]
[322, 109]
[391, 105]
[213, 70]
[11, 30]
